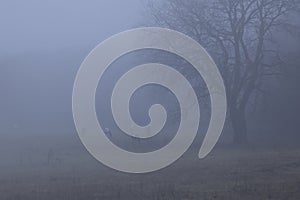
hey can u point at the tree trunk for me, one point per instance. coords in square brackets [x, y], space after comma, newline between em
[239, 125]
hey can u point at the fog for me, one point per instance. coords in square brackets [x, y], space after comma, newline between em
[43, 44]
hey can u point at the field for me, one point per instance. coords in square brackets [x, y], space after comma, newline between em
[43, 167]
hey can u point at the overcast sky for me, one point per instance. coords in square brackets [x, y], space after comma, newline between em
[52, 24]
[42, 44]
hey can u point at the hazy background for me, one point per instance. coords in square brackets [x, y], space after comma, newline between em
[43, 43]
[42, 46]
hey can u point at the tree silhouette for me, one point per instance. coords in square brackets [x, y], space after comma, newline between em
[239, 36]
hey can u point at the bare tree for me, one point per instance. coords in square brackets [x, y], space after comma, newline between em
[239, 35]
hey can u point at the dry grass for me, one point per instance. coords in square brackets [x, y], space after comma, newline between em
[41, 171]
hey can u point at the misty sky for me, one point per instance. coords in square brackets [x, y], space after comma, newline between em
[33, 25]
[42, 46]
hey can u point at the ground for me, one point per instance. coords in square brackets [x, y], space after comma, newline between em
[34, 168]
